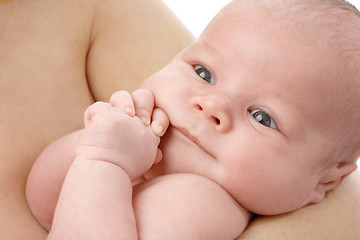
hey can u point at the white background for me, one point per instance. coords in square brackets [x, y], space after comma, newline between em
[196, 14]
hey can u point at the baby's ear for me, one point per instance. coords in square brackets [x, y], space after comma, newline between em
[331, 178]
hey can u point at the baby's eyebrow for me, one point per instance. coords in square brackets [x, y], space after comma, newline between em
[204, 50]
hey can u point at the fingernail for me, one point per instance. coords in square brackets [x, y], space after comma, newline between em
[129, 111]
[145, 120]
[157, 128]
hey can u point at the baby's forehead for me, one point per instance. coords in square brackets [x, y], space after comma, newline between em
[326, 17]
[329, 26]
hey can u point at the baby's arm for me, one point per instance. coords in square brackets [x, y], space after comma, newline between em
[95, 203]
[48, 173]
[114, 149]
[187, 206]
[47, 176]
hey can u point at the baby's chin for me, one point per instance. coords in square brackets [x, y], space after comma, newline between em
[158, 169]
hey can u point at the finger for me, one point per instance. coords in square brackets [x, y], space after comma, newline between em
[123, 101]
[93, 109]
[160, 122]
[144, 104]
[158, 156]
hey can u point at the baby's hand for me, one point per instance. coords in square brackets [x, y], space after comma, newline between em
[114, 133]
[141, 104]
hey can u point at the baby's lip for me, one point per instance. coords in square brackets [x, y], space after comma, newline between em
[192, 138]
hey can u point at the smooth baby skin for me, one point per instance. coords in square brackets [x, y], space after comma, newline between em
[238, 70]
[206, 196]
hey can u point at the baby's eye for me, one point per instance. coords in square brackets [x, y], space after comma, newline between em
[263, 118]
[204, 74]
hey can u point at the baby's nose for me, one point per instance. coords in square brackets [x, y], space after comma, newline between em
[216, 109]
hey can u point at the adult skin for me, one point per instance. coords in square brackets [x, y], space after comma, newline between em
[48, 78]
[58, 57]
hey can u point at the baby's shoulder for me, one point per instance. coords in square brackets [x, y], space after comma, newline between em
[187, 206]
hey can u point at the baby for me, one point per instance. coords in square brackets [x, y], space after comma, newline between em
[259, 115]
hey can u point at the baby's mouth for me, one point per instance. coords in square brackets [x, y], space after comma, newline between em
[192, 138]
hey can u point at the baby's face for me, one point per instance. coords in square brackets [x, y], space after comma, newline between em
[243, 106]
